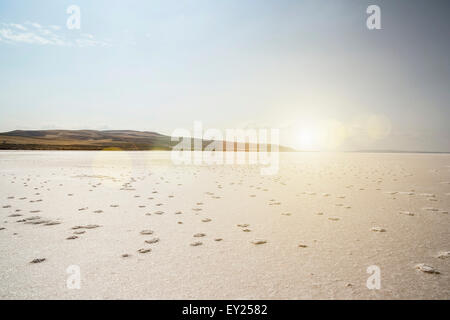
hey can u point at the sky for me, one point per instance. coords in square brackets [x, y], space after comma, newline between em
[310, 68]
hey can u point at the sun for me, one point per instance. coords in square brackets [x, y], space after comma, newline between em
[325, 135]
[309, 139]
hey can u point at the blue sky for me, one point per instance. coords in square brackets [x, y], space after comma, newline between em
[160, 65]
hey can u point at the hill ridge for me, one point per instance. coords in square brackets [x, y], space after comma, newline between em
[62, 139]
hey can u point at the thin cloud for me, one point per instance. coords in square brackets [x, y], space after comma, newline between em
[18, 26]
[35, 33]
[12, 36]
[34, 24]
[87, 35]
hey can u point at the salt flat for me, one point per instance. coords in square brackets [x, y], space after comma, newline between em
[139, 227]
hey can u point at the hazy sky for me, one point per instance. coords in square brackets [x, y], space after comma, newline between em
[300, 66]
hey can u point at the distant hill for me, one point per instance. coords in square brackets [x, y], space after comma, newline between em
[92, 140]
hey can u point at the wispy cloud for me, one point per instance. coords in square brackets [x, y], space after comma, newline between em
[36, 25]
[35, 33]
[18, 26]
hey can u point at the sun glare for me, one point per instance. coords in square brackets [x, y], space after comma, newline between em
[324, 135]
[309, 139]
